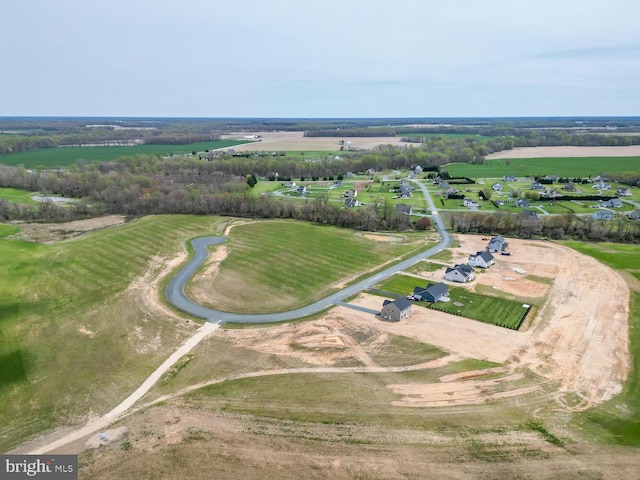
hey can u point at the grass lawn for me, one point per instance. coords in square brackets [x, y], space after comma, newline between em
[564, 167]
[62, 156]
[74, 338]
[279, 265]
[497, 311]
[16, 196]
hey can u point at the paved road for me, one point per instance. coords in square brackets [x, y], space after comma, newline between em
[175, 289]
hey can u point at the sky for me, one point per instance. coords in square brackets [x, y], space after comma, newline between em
[330, 58]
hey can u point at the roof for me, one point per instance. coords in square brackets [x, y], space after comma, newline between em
[437, 289]
[402, 303]
[466, 268]
[485, 255]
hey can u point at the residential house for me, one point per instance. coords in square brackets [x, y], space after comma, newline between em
[396, 310]
[404, 209]
[569, 187]
[337, 183]
[522, 203]
[302, 190]
[531, 214]
[450, 191]
[509, 178]
[444, 184]
[350, 194]
[405, 190]
[437, 292]
[613, 203]
[470, 203]
[497, 187]
[603, 215]
[553, 178]
[417, 170]
[497, 244]
[482, 259]
[370, 171]
[351, 202]
[600, 185]
[460, 273]
[289, 184]
[537, 186]
[635, 215]
[623, 192]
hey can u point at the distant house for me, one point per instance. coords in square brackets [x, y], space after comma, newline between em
[444, 184]
[569, 187]
[302, 190]
[470, 203]
[370, 171]
[417, 170]
[437, 292]
[600, 185]
[450, 191]
[460, 273]
[289, 184]
[522, 203]
[623, 192]
[482, 259]
[405, 190]
[402, 208]
[497, 187]
[337, 183]
[613, 203]
[497, 244]
[351, 202]
[635, 215]
[509, 178]
[553, 178]
[396, 310]
[350, 194]
[531, 214]
[537, 186]
[603, 215]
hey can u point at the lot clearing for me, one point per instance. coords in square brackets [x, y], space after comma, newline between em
[296, 141]
[567, 151]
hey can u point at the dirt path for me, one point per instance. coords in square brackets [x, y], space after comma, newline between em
[110, 417]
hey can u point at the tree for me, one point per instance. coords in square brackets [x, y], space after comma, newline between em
[423, 223]
[252, 180]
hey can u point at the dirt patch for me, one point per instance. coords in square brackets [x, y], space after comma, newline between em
[296, 141]
[56, 232]
[383, 238]
[553, 152]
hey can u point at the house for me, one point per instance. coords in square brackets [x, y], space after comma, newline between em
[450, 191]
[600, 185]
[497, 244]
[351, 202]
[302, 190]
[417, 170]
[470, 203]
[405, 190]
[553, 178]
[536, 186]
[531, 214]
[289, 184]
[482, 259]
[402, 208]
[497, 187]
[603, 215]
[635, 215]
[396, 310]
[522, 203]
[337, 183]
[460, 273]
[613, 203]
[437, 292]
[623, 192]
[444, 184]
[569, 187]
[350, 194]
[370, 171]
[509, 178]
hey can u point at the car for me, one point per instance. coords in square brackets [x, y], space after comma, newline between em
[505, 253]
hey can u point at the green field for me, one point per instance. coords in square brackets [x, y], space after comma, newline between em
[279, 265]
[618, 421]
[16, 196]
[62, 156]
[52, 296]
[564, 167]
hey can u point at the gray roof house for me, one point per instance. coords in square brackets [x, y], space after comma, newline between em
[497, 244]
[635, 215]
[396, 310]
[351, 202]
[537, 186]
[522, 203]
[402, 208]
[460, 273]
[603, 215]
[529, 214]
[481, 259]
[435, 293]
[613, 203]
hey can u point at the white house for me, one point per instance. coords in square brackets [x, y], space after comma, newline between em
[470, 203]
[460, 273]
[497, 244]
[482, 259]
[497, 187]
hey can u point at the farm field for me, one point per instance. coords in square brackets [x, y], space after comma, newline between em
[568, 151]
[62, 156]
[16, 196]
[564, 167]
[277, 265]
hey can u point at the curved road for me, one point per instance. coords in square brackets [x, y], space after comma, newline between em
[175, 289]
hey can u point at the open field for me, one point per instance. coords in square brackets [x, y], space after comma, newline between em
[296, 141]
[568, 151]
[280, 265]
[564, 167]
[62, 156]
[16, 196]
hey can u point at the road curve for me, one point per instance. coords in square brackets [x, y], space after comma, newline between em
[176, 296]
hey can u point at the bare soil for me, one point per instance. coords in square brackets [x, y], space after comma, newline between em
[56, 232]
[296, 141]
[568, 151]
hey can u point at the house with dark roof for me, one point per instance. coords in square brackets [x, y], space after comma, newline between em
[522, 203]
[482, 259]
[635, 215]
[351, 202]
[569, 187]
[497, 187]
[437, 292]
[537, 186]
[613, 203]
[509, 178]
[460, 273]
[396, 310]
[404, 209]
[530, 214]
[497, 244]
[623, 192]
